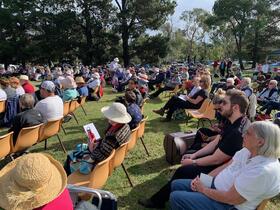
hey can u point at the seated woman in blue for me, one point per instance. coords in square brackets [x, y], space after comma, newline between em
[133, 109]
[81, 87]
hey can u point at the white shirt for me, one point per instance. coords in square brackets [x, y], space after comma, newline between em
[51, 108]
[265, 68]
[20, 91]
[255, 179]
[3, 95]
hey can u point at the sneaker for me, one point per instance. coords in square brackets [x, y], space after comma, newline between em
[159, 112]
[149, 204]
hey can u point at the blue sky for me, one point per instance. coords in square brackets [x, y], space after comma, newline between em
[183, 5]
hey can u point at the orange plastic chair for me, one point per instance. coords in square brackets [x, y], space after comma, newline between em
[132, 139]
[208, 115]
[72, 108]
[82, 103]
[27, 137]
[50, 129]
[118, 160]
[6, 142]
[141, 131]
[262, 205]
[202, 109]
[142, 107]
[66, 106]
[2, 106]
[97, 178]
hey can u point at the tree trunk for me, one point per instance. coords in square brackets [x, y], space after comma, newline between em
[126, 57]
[255, 49]
[89, 37]
[238, 41]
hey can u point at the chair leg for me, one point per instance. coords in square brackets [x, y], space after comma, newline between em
[46, 142]
[142, 140]
[75, 118]
[64, 131]
[84, 110]
[61, 144]
[126, 173]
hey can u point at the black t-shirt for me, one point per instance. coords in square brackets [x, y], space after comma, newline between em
[202, 93]
[231, 138]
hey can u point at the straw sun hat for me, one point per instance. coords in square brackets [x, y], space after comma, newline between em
[117, 113]
[31, 181]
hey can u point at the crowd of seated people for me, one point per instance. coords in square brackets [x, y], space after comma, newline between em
[239, 155]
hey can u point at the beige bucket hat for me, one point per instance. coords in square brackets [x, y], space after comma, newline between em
[23, 77]
[79, 80]
[68, 83]
[31, 181]
[116, 112]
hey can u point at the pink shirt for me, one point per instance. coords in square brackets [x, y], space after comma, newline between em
[61, 202]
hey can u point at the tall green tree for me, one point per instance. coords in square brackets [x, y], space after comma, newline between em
[136, 16]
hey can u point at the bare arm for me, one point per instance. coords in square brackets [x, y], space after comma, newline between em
[209, 148]
[231, 196]
[215, 159]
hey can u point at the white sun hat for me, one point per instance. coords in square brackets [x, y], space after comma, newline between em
[117, 113]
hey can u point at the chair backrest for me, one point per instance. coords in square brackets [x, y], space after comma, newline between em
[100, 173]
[204, 105]
[141, 129]
[2, 106]
[73, 105]
[262, 205]
[6, 142]
[49, 129]
[83, 100]
[26, 138]
[209, 112]
[119, 157]
[132, 139]
[66, 106]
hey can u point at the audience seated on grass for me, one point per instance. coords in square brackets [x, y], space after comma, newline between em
[214, 154]
[206, 135]
[171, 84]
[116, 134]
[156, 78]
[34, 181]
[193, 102]
[133, 109]
[253, 175]
[5, 85]
[15, 83]
[69, 89]
[93, 85]
[81, 87]
[26, 85]
[270, 93]
[51, 106]
[27, 117]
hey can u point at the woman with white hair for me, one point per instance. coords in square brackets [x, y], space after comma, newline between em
[245, 86]
[252, 176]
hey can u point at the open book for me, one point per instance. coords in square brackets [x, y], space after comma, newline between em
[91, 132]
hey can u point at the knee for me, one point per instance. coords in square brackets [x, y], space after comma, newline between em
[181, 185]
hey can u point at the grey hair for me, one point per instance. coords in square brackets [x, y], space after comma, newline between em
[270, 133]
[248, 81]
[274, 82]
[27, 101]
[231, 80]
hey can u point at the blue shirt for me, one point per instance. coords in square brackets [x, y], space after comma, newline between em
[136, 115]
[83, 91]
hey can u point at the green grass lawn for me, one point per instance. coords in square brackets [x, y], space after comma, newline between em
[147, 173]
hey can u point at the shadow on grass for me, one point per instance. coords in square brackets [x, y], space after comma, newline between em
[155, 101]
[148, 167]
[130, 201]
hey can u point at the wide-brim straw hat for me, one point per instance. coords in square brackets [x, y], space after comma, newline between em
[23, 77]
[31, 181]
[117, 113]
[80, 80]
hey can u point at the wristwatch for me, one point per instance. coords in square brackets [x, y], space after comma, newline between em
[194, 163]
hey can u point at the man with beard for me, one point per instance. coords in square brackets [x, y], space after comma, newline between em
[216, 153]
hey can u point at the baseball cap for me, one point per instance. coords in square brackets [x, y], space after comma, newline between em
[48, 85]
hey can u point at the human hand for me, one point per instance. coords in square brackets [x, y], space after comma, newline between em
[197, 185]
[186, 162]
[188, 156]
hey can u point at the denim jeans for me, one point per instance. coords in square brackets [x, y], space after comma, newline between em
[183, 198]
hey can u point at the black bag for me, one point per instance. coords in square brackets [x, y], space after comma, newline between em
[176, 145]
